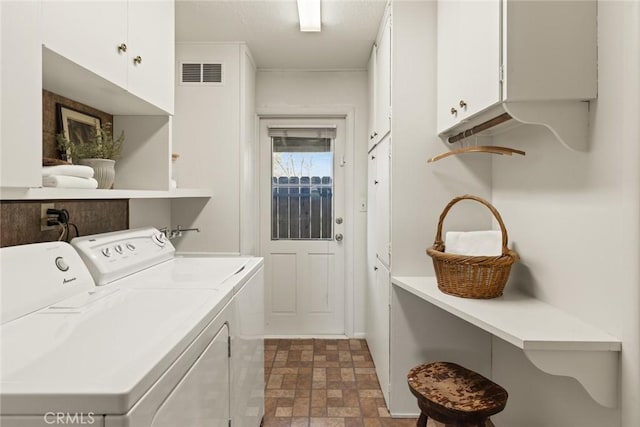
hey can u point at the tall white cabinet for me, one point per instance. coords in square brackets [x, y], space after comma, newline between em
[406, 196]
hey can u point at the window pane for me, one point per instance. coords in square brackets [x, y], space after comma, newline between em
[302, 188]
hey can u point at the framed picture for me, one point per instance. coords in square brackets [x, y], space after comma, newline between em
[78, 127]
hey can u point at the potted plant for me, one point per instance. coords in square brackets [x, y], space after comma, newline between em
[99, 152]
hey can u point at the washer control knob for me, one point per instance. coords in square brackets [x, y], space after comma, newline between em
[159, 239]
[106, 252]
[61, 264]
[118, 248]
[130, 246]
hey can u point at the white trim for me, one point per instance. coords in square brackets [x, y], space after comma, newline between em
[348, 113]
[303, 337]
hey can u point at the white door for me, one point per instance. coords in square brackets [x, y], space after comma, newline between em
[302, 225]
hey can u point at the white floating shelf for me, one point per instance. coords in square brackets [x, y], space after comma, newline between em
[554, 341]
[80, 194]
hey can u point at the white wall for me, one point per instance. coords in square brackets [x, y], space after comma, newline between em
[574, 219]
[329, 89]
[206, 134]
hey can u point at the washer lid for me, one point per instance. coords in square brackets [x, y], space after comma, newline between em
[99, 355]
[191, 273]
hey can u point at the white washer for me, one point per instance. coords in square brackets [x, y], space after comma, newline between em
[76, 354]
[240, 277]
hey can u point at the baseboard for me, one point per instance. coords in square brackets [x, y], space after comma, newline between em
[306, 337]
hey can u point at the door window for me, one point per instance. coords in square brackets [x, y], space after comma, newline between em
[302, 187]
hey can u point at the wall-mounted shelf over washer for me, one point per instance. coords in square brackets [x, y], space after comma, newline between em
[81, 194]
[554, 341]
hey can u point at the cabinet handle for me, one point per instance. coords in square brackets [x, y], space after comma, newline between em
[453, 111]
[463, 104]
[122, 48]
[371, 137]
[375, 134]
[137, 60]
[375, 182]
[373, 157]
[375, 268]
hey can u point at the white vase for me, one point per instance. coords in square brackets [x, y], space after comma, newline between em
[104, 171]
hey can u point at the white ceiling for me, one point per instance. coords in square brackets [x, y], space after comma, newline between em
[271, 29]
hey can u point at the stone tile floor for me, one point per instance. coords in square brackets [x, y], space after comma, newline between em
[320, 382]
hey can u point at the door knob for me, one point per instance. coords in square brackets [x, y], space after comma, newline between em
[137, 60]
[122, 47]
[453, 111]
[339, 237]
[339, 220]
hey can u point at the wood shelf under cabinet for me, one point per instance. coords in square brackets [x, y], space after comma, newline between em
[82, 194]
[554, 341]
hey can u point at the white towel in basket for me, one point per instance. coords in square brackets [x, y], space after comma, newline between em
[474, 243]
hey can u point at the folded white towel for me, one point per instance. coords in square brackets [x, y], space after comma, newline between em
[68, 170]
[474, 243]
[61, 181]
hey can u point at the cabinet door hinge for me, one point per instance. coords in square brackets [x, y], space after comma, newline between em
[229, 355]
[229, 422]
[501, 73]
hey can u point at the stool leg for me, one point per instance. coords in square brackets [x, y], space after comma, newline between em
[422, 421]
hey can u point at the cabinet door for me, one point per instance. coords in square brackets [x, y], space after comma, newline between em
[449, 64]
[378, 333]
[151, 39]
[382, 207]
[371, 211]
[202, 397]
[89, 33]
[383, 83]
[371, 68]
[479, 56]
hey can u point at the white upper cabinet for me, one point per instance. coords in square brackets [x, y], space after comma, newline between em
[535, 60]
[129, 44]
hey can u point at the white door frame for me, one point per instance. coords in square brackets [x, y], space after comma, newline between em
[346, 112]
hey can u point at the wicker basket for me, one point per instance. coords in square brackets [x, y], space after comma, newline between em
[465, 276]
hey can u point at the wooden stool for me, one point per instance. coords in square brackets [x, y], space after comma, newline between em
[454, 395]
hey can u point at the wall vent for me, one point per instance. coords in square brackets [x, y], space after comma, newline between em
[202, 73]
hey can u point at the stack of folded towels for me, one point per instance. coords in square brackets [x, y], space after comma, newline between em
[68, 176]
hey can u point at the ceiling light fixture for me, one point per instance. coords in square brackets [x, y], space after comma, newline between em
[309, 15]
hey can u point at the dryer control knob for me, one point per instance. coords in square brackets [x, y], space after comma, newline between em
[61, 264]
[106, 252]
[159, 239]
